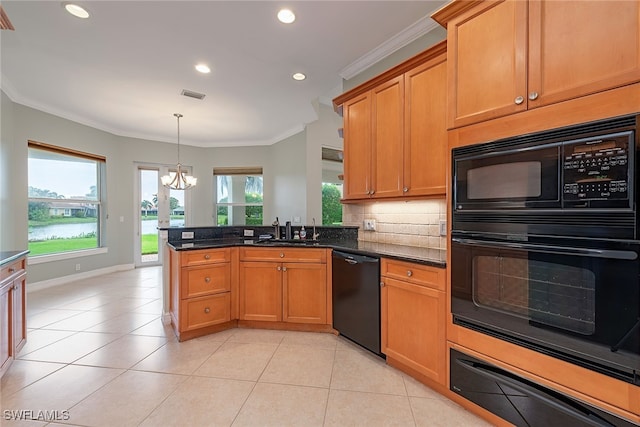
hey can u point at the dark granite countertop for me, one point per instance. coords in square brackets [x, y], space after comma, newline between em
[9, 256]
[426, 256]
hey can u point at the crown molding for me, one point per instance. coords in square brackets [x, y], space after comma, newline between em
[400, 40]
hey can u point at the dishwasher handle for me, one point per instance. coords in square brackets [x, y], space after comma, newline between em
[353, 259]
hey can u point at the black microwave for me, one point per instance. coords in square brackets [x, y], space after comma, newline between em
[550, 183]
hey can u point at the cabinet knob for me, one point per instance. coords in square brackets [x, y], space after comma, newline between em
[15, 287]
[519, 100]
[409, 273]
[405, 189]
[284, 268]
[382, 284]
[373, 192]
[278, 268]
[207, 310]
[11, 270]
[207, 279]
[207, 256]
[533, 96]
[281, 255]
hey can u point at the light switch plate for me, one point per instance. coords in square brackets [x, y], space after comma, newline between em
[443, 228]
[187, 234]
[369, 225]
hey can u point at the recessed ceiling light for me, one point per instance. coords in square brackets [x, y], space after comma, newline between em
[76, 10]
[299, 76]
[286, 16]
[203, 68]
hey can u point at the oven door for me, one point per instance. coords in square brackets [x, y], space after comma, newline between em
[569, 298]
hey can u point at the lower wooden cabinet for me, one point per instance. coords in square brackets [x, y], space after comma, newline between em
[294, 291]
[13, 326]
[200, 287]
[413, 317]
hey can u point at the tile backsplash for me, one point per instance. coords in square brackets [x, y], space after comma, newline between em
[412, 223]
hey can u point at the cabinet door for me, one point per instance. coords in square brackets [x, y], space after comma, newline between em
[305, 293]
[19, 312]
[261, 291]
[6, 326]
[413, 327]
[487, 62]
[425, 145]
[388, 138]
[581, 47]
[357, 147]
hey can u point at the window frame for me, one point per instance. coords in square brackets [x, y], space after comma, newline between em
[99, 202]
[235, 171]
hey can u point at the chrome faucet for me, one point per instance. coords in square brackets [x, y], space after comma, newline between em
[315, 235]
[276, 224]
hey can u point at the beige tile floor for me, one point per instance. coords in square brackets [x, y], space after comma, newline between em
[99, 355]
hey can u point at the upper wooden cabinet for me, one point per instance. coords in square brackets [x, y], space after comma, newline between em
[511, 55]
[395, 131]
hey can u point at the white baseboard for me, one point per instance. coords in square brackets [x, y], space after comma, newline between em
[44, 284]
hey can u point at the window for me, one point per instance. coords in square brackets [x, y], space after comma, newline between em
[239, 196]
[65, 199]
[331, 206]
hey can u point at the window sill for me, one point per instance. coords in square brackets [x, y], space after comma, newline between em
[41, 259]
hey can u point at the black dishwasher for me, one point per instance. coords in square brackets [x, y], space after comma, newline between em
[356, 298]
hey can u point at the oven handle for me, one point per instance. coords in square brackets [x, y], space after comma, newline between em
[562, 250]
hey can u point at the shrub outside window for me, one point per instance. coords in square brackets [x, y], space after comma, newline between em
[65, 199]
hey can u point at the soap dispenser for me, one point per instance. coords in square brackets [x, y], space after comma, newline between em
[303, 233]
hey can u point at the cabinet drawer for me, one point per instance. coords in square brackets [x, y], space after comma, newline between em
[204, 256]
[11, 269]
[418, 274]
[199, 281]
[200, 312]
[285, 254]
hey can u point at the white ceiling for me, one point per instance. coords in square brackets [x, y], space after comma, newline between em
[122, 70]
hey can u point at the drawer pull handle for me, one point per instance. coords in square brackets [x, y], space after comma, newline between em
[11, 270]
[207, 256]
[281, 255]
[207, 279]
[207, 310]
[409, 273]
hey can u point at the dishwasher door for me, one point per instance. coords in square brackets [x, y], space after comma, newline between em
[356, 298]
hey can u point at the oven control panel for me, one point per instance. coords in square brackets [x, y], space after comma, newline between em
[597, 169]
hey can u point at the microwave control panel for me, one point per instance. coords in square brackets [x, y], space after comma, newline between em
[597, 169]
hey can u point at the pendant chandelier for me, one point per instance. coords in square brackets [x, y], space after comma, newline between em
[178, 180]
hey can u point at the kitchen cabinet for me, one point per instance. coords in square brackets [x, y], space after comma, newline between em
[508, 56]
[413, 307]
[395, 131]
[13, 327]
[200, 286]
[283, 285]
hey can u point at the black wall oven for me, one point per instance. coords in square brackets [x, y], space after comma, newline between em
[545, 250]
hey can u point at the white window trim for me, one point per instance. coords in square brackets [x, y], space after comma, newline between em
[41, 259]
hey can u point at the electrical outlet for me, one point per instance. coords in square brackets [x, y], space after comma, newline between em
[77, 267]
[370, 225]
[443, 228]
[296, 219]
[248, 233]
[187, 234]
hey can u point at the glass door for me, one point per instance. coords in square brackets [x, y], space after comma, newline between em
[156, 207]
